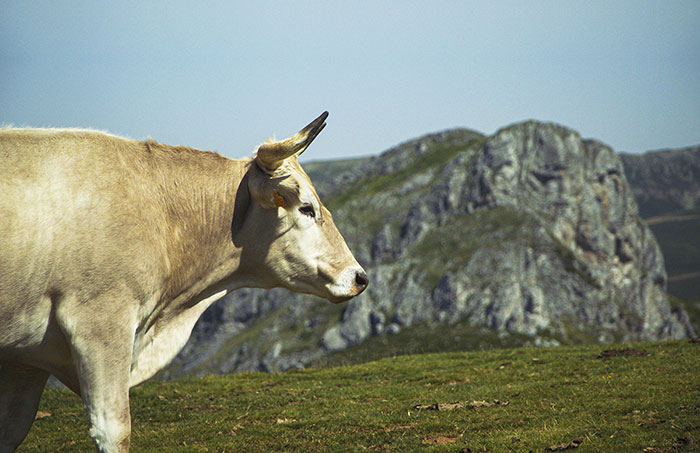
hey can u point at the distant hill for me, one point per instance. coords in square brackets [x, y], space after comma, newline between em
[666, 185]
[665, 182]
[532, 233]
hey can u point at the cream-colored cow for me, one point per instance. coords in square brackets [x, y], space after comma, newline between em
[111, 249]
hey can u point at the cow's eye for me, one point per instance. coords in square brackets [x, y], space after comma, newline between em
[308, 210]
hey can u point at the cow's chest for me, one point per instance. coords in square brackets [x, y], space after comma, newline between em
[158, 346]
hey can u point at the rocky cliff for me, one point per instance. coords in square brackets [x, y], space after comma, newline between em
[532, 230]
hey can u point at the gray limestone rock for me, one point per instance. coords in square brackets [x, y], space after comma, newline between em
[531, 230]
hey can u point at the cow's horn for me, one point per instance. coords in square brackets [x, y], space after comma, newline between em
[271, 155]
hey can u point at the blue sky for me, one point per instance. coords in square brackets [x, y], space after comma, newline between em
[226, 75]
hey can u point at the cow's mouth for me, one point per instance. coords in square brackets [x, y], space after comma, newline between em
[339, 300]
[348, 285]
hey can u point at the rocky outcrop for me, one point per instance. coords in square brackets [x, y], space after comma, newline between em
[531, 230]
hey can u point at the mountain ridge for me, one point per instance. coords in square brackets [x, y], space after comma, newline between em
[532, 230]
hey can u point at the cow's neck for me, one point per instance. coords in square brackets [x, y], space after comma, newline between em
[198, 192]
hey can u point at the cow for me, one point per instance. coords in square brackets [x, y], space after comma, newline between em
[111, 249]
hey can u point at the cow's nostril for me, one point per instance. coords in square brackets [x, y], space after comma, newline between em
[361, 280]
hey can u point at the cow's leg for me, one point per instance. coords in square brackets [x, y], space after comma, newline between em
[20, 390]
[101, 341]
[103, 373]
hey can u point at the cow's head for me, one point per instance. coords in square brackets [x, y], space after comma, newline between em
[289, 233]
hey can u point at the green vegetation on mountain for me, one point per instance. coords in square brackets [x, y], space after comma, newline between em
[531, 231]
[435, 157]
[449, 247]
[679, 238]
[631, 397]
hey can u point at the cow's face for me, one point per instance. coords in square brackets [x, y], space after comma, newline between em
[302, 249]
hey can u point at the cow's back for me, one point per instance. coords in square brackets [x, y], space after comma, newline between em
[72, 219]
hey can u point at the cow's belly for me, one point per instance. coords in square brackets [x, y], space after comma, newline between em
[24, 323]
[32, 336]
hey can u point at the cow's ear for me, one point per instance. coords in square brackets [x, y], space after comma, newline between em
[260, 190]
[279, 191]
[240, 208]
[273, 192]
[265, 189]
[279, 200]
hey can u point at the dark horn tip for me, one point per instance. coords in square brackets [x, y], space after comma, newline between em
[315, 123]
[322, 117]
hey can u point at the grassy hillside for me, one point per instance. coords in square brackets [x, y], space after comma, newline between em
[425, 338]
[640, 397]
[678, 235]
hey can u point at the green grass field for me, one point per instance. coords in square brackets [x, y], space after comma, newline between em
[645, 397]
